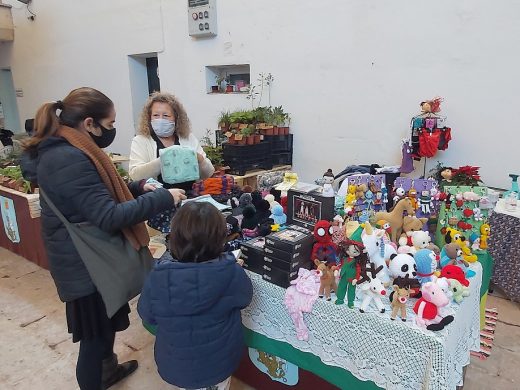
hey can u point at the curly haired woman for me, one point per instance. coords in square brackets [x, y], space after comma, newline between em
[164, 123]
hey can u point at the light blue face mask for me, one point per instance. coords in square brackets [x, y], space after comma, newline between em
[163, 128]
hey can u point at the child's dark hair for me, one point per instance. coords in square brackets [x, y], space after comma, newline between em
[198, 233]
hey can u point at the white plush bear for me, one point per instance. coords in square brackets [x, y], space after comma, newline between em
[420, 240]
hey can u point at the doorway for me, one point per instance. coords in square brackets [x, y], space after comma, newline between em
[144, 80]
[9, 116]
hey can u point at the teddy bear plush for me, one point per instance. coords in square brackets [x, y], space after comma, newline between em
[420, 240]
[411, 224]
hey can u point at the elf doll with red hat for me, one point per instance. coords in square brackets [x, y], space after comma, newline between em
[353, 259]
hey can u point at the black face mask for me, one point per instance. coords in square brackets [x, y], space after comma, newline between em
[106, 138]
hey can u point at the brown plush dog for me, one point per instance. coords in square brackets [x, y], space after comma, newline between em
[327, 279]
[399, 299]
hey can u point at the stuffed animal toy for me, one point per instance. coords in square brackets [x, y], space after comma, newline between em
[369, 198]
[454, 272]
[350, 199]
[420, 240]
[458, 290]
[477, 214]
[244, 200]
[283, 202]
[427, 308]
[300, 298]
[249, 220]
[425, 201]
[395, 217]
[399, 194]
[271, 200]
[378, 250]
[385, 225]
[278, 216]
[372, 288]
[233, 228]
[451, 255]
[411, 284]
[453, 235]
[426, 265]
[411, 224]
[471, 196]
[328, 179]
[324, 250]
[327, 279]
[352, 260]
[263, 212]
[338, 229]
[412, 195]
[256, 197]
[485, 229]
[402, 265]
[444, 285]
[474, 240]
[360, 191]
[431, 246]
[399, 299]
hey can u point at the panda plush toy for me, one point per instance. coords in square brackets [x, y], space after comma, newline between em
[403, 269]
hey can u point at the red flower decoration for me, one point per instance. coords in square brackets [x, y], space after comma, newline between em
[467, 213]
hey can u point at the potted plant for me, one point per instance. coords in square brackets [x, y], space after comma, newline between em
[218, 87]
[247, 132]
[224, 121]
[213, 152]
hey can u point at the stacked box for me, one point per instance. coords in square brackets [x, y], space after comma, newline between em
[279, 256]
[305, 209]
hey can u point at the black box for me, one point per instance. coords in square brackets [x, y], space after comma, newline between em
[285, 265]
[279, 277]
[305, 209]
[253, 254]
[291, 240]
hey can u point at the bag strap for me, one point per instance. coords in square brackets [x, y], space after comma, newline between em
[54, 208]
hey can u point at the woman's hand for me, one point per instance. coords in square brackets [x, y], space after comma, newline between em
[178, 195]
[149, 187]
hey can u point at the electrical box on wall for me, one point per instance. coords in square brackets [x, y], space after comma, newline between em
[202, 18]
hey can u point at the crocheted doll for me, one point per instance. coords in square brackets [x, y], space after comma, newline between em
[352, 260]
[324, 249]
[328, 179]
[278, 216]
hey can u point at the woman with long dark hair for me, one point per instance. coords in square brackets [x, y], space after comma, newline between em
[65, 158]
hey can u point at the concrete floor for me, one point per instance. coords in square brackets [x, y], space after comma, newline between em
[37, 353]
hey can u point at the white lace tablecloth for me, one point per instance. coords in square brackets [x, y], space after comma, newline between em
[392, 354]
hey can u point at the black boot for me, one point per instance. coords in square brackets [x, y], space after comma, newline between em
[114, 372]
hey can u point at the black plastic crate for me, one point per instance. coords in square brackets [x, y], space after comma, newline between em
[246, 152]
[280, 143]
[241, 167]
[283, 158]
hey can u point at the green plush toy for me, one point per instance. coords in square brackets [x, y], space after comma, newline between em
[459, 291]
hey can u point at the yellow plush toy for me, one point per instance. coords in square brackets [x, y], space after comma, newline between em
[350, 199]
[485, 229]
[453, 235]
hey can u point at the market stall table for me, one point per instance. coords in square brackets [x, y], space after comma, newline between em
[250, 178]
[354, 350]
[504, 246]
[20, 226]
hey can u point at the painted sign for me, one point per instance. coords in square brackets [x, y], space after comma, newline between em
[9, 219]
[278, 369]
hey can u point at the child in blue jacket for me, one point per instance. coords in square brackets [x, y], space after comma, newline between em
[195, 299]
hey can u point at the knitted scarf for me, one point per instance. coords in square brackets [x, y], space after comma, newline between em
[137, 234]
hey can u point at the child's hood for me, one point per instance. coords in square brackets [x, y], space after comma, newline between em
[193, 288]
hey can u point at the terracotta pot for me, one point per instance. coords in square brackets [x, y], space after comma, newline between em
[250, 140]
[258, 138]
[231, 140]
[214, 88]
[224, 128]
[242, 141]
[269, 131]
[229, 88]
[285, 130]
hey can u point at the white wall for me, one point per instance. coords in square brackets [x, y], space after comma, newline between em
[352, 73]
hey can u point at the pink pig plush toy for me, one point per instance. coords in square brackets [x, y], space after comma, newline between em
[427, 308]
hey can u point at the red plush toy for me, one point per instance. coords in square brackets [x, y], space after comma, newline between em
[283, 203]
[324, 249]
[454, 272]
